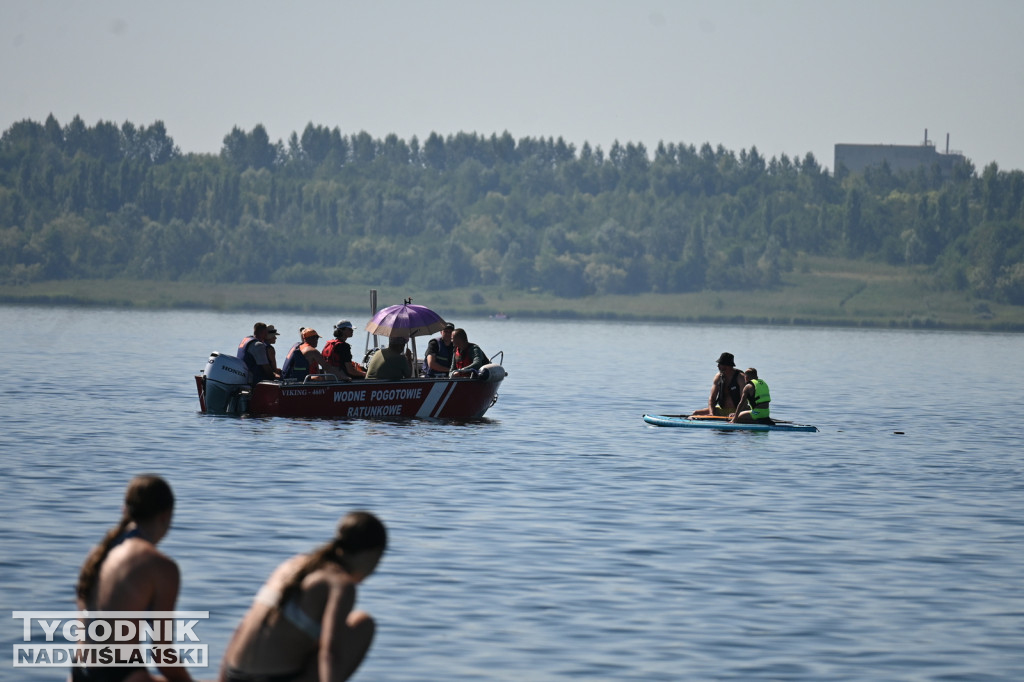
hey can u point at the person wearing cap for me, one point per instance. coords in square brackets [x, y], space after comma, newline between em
[338, 352]
[756, 394]
[305, 360]
[272, 351]
[726, 389]
[469, 357]
[437, 360]
[391, 363]
[253, 352]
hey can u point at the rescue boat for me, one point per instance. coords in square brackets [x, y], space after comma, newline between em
[225, 388]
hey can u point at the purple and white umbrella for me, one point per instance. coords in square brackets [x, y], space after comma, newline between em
[406, 320]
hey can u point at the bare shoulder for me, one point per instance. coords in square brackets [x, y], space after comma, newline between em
[286, 569]
[332, 583]
[158, 567]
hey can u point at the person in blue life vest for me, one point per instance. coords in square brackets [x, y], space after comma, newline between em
[437, 360]
[756, 395]
[726, 389]
[305, 360]
[252, 350]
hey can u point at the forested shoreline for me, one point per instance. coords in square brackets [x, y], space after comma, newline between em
[533, 214]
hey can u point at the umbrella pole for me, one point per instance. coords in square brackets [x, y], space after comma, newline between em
[415, 364]
[373, 311]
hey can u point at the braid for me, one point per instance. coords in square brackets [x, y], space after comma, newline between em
[146, 497]
[315, 560]
[91, 567]
[357, 531]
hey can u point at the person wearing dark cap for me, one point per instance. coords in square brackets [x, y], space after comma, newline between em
[437, 360]
[726, 389]
[305, 360]
[271, 351]
[253, 352]
[338, 352]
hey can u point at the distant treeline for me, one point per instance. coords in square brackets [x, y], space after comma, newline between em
[111, 202]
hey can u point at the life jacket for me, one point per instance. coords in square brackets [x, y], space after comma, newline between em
[245, 355]
[296, 366]
[761, 396]
[443, 356]
[461, 361]
[330, 348]
[734, 388]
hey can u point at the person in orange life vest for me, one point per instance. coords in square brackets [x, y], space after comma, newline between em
[304, 360]
[253, 351]
[338, 352]
[468, 356]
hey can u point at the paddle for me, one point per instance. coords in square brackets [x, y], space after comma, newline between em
[693, 416]
[716, 418]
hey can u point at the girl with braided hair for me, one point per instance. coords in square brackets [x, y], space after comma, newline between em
[302, 624]
[126, 572]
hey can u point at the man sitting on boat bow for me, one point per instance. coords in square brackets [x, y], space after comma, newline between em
[469, 358]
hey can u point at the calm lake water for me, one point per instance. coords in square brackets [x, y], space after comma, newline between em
[560, 538]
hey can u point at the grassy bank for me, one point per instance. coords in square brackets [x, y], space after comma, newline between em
[817, 292]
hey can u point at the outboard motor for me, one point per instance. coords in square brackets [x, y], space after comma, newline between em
[226, 377]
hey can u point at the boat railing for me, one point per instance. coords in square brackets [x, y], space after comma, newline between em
[500, 354]
[321, 378]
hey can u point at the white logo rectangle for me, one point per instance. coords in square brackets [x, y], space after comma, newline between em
[105, 639]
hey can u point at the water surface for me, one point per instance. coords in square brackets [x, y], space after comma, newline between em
[561, 537]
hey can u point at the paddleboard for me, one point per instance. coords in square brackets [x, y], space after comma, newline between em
[721, 423]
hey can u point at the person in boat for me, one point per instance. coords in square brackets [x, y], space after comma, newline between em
[253, 351]
[126, 572]
[304, 360]
[293, 349]
[302, 624]
[437, 360]
[468, 358]
[726, 389]
[272, 351]
[756, 395]
[339, 353]
[391, 363]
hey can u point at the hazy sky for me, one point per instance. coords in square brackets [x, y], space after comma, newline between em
[785, 76]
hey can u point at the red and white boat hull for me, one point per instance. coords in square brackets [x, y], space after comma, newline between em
[441, 398]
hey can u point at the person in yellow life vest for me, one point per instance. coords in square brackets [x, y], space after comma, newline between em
[755, 394]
